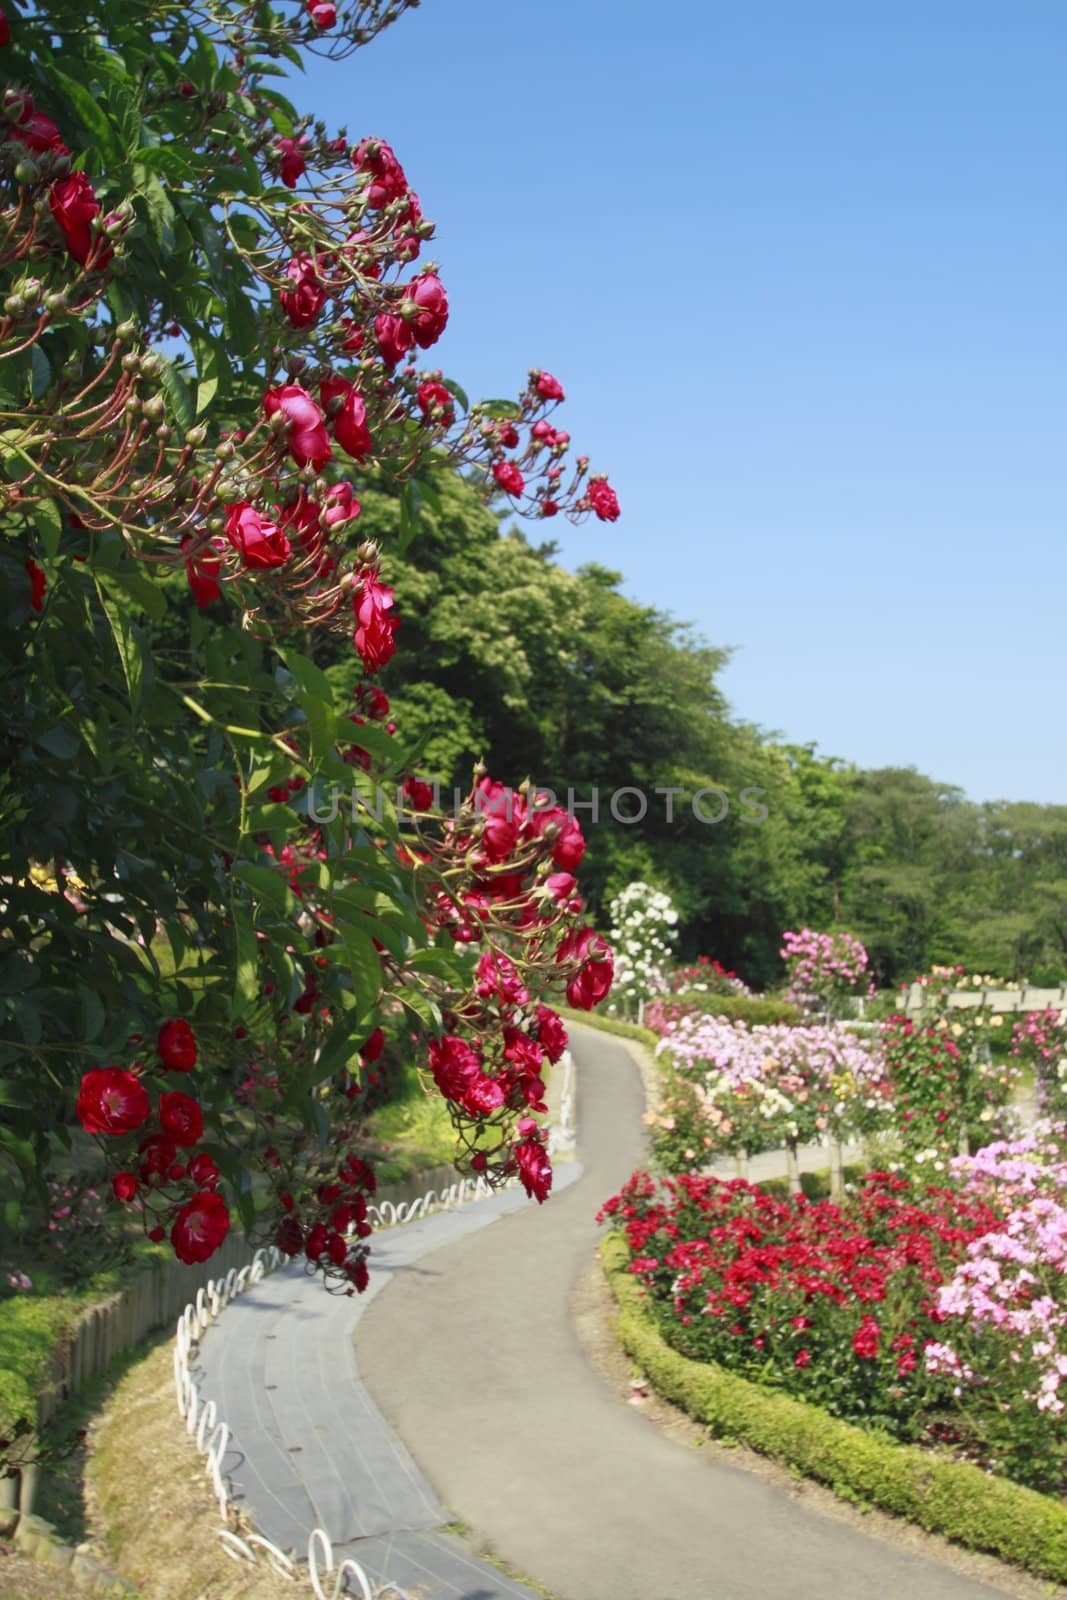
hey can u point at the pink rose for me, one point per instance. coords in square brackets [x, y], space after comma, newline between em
[309, 443]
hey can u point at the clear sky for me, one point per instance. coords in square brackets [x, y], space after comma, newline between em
[801, 268]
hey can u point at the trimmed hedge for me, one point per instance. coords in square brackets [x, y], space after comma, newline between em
[950, 1498]
[740, 1008]
[624, 1030]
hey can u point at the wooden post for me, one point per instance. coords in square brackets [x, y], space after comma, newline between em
[741, 1163]
[837, 1169]
[792, 1171]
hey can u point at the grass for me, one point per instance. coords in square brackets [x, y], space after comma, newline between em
[412, 1132]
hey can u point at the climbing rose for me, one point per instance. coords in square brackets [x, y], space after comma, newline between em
[322, 13]
[350, 421]
[260, 543]
[111, 1101]
[375, 627]
[181, 1117]
[455, 1066]
[535, 1169]
[551, 1034]
[293, 165]
[157, 1155]
[38, 133]
[428, 293]
[303, 302]
[509, 477]
[74, 205]
[202, 570]
[203, 1171]
[341, 505]
[200, 1227]
[376, 157]
[176, 1045]
[309, 443]
[548, 387]
[373, 1046]
[38, 584]
[569, 848]
[435, 402]
[394, 337]
[604, 500]
[124, 1185]
[592, 981]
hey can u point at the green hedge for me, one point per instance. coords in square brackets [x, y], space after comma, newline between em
[623, 1030]
[950, 1498]
[756, 1012]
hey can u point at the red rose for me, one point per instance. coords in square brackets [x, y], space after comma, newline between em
[569, 847]
[535, 1169]
[341, 505]
[39, 134]
[551, 1034]
[431, 319]
[309, 443]
[176, 1045]
[455, 1066]
[322, 13]
[203, 1171]
[202, 570]
[548, 387]
[549, 508]
[259, 543]
[482, 1097]
[435, 402]
[124, 1185]
[289, 1236]
[372, 1048]
[603, 500]
[350, 419]
[112, 1101]
[5, 30]
[865, 1339]
[388, 182]
[38, 584]
[157, 1156]
[509, 477]
[593, 979]
[419, 793]
[802, 1358]
[303, 302]
[293, 166]
[200, 1227]
[74, 206]
[374, 626]
[394, 337]
[181, 1117]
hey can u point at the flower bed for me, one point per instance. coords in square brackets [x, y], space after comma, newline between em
[933, 1316]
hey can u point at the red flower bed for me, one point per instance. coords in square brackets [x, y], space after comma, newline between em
[832, 1303]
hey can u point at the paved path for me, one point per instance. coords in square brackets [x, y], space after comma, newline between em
[473, 1358]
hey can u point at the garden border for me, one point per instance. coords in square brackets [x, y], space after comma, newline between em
[951, 1498]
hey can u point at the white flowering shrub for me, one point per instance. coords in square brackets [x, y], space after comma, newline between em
[644, 930]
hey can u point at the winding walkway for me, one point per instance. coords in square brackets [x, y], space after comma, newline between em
[463, 1358]
[475, 1361]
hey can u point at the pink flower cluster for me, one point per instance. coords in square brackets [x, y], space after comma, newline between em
[824, 968]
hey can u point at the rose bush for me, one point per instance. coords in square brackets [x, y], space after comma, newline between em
[211, 314]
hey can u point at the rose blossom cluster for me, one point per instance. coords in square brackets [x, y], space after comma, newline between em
[644, 930]
[164, 1175]
[508, 860]
[824, 969]
[1040, 1040]
[762, 1087]
[707, 976]
[1005, 1306]
[835, 1303]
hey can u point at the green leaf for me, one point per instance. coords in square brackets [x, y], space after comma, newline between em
[48, 522]
[147, 592]
[87, 105]
[60, 741]
[130, 647]
[40, 371]
[267, 885]
[506, 410]
[246, 962]
[180, 397]
[363, 965]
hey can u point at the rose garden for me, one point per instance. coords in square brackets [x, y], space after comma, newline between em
[254, 553]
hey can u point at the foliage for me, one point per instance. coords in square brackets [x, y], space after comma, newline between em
[1039, 1041]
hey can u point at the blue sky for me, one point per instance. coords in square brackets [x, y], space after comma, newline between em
[801, 270]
